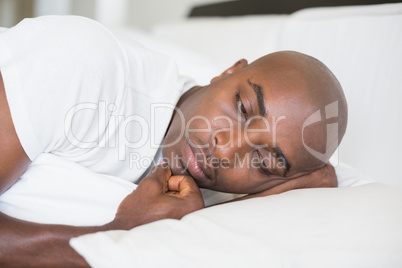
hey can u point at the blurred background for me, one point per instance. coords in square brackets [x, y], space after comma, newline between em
[139, 13]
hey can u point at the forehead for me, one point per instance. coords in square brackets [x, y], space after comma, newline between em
[288, 105]
[284, 87]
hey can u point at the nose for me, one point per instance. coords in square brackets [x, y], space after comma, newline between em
[229, 144]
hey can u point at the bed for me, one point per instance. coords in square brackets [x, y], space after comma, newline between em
[354, 225]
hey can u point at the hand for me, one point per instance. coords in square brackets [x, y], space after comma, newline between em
[158, 196]
[323, 177]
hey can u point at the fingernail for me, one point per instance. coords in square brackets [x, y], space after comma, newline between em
[164, 164]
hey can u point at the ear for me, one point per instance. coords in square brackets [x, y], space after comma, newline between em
[237, 66]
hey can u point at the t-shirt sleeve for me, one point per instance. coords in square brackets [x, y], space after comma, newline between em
[51, 64]
[75, 90]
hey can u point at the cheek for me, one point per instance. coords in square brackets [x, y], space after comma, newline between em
[235, 180]
[202, 123]
[174, 132]
[245, 181]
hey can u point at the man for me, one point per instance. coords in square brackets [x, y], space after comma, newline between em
[254, 130]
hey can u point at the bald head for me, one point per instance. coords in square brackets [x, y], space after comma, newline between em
[313, 101]
[264, 122]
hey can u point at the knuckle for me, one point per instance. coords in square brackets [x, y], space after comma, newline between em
[161, 169]
[328, 182]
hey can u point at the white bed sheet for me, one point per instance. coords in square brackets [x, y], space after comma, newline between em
[57, 191]
[333, 227]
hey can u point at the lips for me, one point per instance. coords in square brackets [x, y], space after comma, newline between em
[196, 166]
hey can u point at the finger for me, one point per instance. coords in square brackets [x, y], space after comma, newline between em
[330, 178]
[174, 183]
[184, 185]
[323, 177]
[281, 188]
[160, 175]
[330, 168]
[161, 166]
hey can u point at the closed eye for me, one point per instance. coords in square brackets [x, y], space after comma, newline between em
[241, 107]
[263, 166]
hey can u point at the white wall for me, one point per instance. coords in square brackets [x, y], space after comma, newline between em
[7, 11]
[112, 12]
[54, 7]
[145, 13]
[85, 8]
[138, 13]
[13, 11]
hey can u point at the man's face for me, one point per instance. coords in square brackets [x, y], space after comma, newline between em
[242, 133]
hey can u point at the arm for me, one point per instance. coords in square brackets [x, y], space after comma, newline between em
[159, 196]
[13, 159]
[23, 243]
[20, 241]
[27, 244]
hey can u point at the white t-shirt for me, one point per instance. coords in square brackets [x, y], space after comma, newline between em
[76, 91]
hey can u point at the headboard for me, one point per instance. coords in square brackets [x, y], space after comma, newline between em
[255, 7]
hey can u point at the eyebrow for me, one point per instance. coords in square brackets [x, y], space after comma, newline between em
[260, 97]
[263, 112]
[281, 158]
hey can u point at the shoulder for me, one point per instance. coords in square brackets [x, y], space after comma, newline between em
[65, 31]
[59, 24]
[68, 39]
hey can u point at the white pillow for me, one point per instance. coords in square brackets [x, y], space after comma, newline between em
[58, 191]
[362, 46]
[201, 67]
[54, 190]
[226, 40]
[330, 227]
